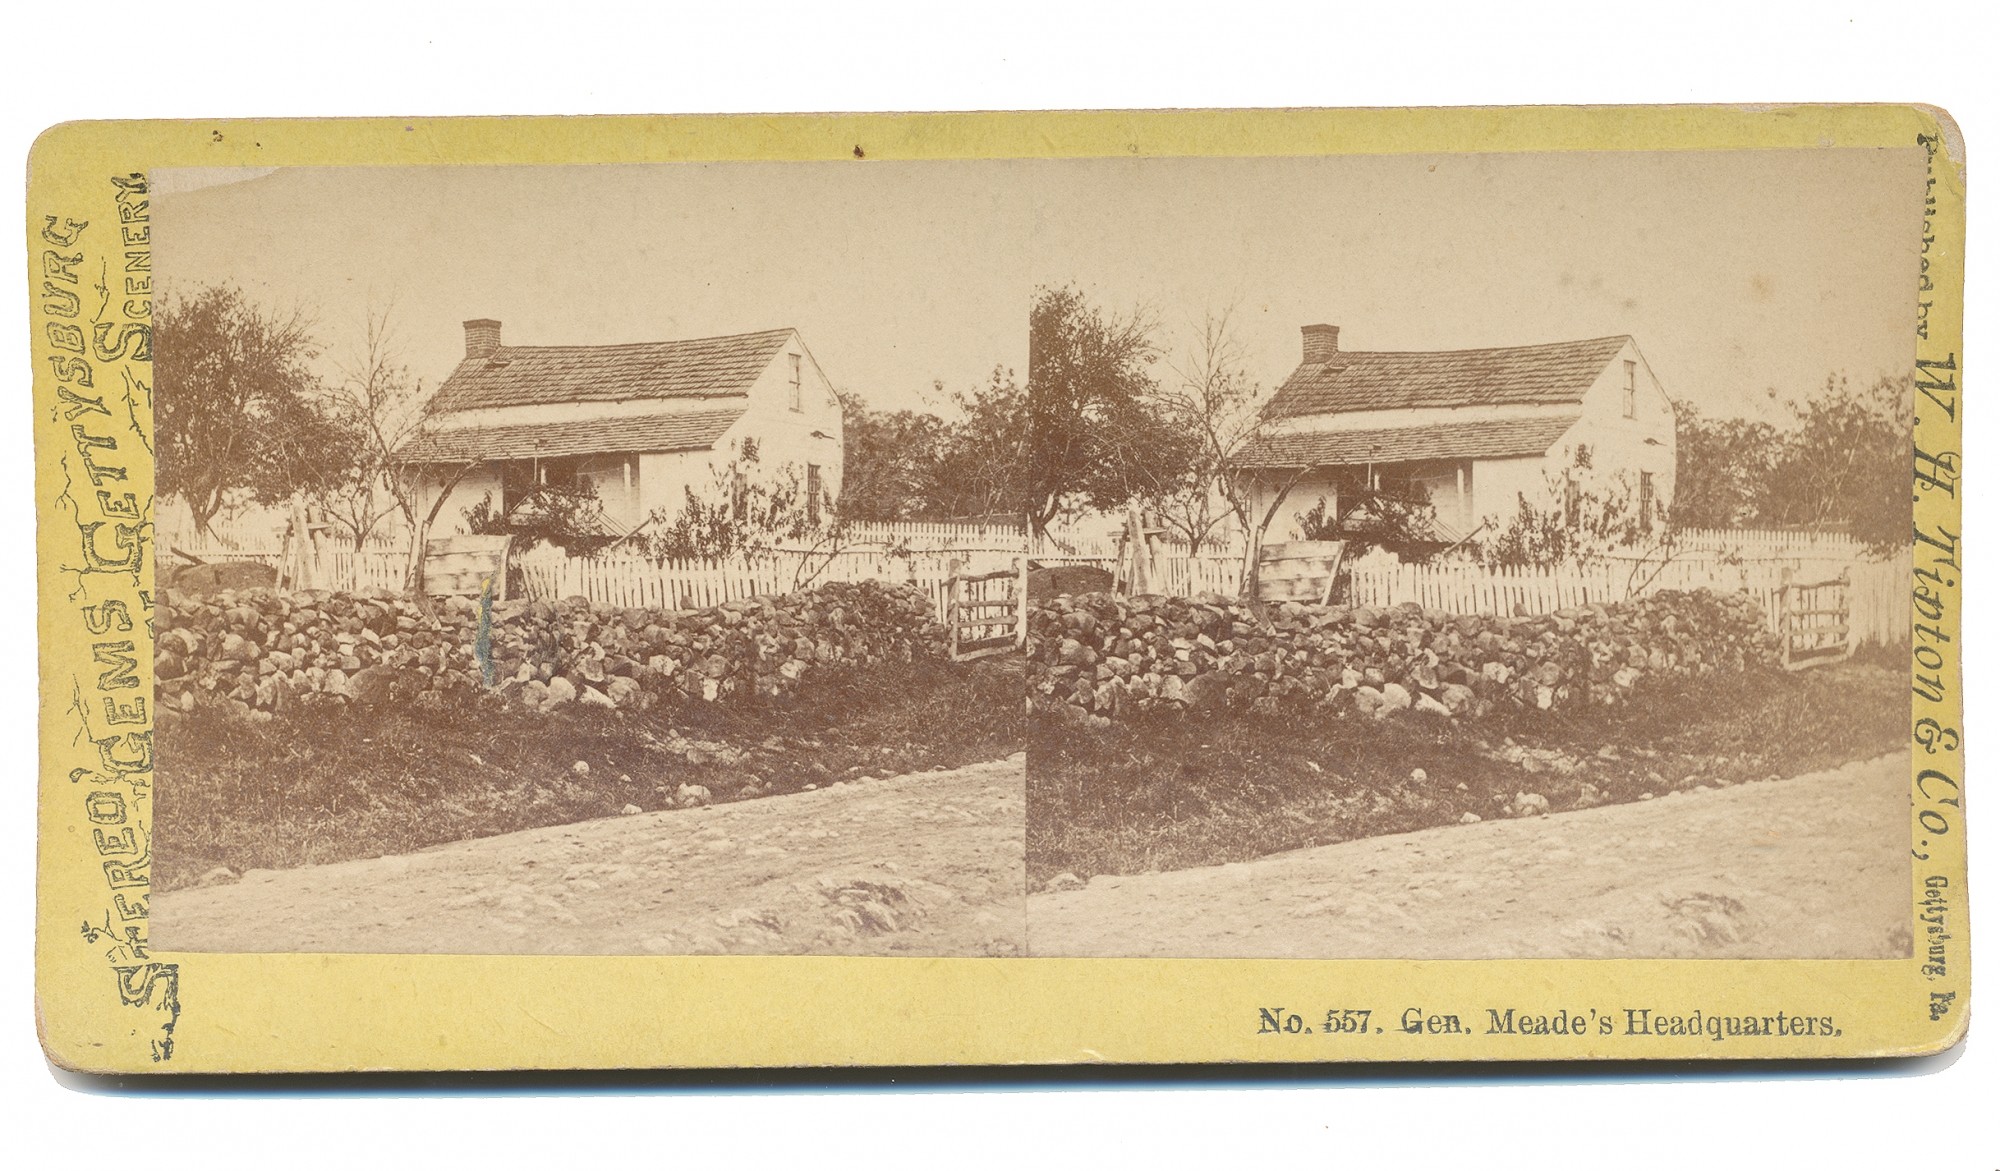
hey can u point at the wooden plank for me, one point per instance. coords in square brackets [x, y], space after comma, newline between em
[461, 565]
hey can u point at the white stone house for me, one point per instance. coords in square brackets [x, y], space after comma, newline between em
[640, 423]
[1558, 424]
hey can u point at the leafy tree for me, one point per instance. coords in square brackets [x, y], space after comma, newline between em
[983, 466]
[237, 404]
[893, 460]
[1089, 406]
[1847, 463]
[1723, 469]
[913, 465]
[1843, 464]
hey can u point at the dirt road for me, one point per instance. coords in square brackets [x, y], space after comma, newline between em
[926, 864]
[1814, 866]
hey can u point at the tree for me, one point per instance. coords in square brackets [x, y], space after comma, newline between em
[1723, 469]
[1847, 465]
[383, 413]
[1842, 464]
[387, 419]
[1088, 415]
[237, 404]
[892, 463]
[983, 467]
[1211, 403]
[913, 465]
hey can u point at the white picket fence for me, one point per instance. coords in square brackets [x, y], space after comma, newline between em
[939, 535]
[257, 529]
[1763, 543]
[1878, 589]
[1068, 546]
[920, 551]
[1175, 574]
[610, 580]
[379, 564]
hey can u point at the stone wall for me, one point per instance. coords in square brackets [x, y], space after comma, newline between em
[1099, 657]
[266, 650]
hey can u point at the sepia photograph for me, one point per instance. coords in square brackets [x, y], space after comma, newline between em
[1457, 556]
[590, 559]
[1473, 556]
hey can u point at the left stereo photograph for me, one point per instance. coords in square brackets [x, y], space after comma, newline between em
[498, 615]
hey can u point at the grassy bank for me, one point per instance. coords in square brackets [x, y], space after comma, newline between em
[330, 783]
[1169, 792]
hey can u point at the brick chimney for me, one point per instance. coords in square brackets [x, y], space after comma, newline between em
[482, 337]
[1322, 341]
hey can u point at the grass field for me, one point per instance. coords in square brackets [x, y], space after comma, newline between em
[1166, 793]
[330, 783]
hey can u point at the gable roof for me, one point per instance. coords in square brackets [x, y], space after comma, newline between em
[692, 431]
[703, 367]
[1555, 373]
[1490, 439]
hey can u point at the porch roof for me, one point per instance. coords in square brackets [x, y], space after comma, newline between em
[1492, 439]
[691, 431]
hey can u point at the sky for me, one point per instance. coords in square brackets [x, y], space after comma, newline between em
[897, 275]
[1737, 272]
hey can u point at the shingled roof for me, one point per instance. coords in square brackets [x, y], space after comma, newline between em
[1556, 373]
[692, 431]
[706, 367]
[1491, 439]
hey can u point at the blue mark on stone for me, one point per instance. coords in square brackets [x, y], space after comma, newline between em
[482, 646]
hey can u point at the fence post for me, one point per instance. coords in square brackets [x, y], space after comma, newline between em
[1021, 600]
[1785, 617]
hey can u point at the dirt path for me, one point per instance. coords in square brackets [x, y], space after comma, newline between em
[1814, 866]
[926, 864]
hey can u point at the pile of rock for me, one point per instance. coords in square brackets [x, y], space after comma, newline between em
[266, 649]
[1099, 656]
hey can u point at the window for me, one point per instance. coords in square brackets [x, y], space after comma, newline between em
[1631, 390]
[1572, 501]
[798, 392]
[1645, 502]
[812, 493]
[739, 494]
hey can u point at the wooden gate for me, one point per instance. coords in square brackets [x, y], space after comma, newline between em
[987, 613]
[1298, 571]
[465, 565]
[1813, 622]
